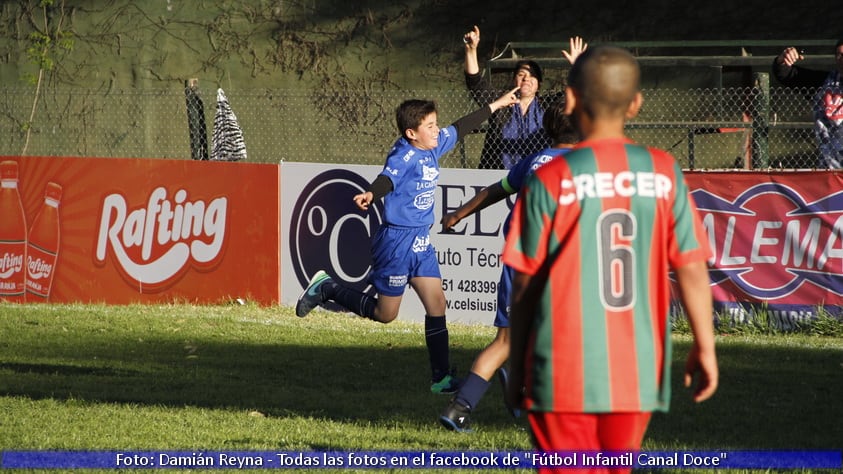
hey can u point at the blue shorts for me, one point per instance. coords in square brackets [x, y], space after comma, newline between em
[400, 254]
[504, 290]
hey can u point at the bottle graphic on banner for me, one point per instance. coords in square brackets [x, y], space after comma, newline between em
[12, 236]
[43, 246]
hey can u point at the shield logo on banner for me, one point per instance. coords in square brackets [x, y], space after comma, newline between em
[227, 142]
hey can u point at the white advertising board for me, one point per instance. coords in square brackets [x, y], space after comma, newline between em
[321, 228]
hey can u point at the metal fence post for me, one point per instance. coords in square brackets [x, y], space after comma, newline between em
[761, 121]
[691, 144]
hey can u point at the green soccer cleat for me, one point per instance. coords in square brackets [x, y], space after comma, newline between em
[311, 297]
[447, 385]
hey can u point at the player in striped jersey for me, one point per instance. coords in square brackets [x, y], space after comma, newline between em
[594, 234]
[561, 131]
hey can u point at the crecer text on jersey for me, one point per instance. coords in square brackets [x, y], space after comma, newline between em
[607, 185]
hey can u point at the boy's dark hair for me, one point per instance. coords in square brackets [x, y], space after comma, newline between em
[839, 42]
[558, 126]
[529, 65]
[410, 113]
[606, 80]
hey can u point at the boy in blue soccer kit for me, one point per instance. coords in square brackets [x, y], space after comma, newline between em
[563, 134]
[401, 250]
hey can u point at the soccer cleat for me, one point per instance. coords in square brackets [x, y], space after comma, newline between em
[311, 297]
[456, 417]
[503, 376]
[447, 385]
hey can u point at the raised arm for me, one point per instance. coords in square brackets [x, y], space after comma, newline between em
[790, 74]
[471, 40]
[478, 86]
[473, 120]
[578, 46]
[789, 56]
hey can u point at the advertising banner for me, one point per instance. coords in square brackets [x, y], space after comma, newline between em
[142, 230]
[777, 239]
[138, 230]
[323, 229]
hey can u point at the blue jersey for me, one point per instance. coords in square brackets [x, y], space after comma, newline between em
[522, 170]
[414, 174]
[512, 184]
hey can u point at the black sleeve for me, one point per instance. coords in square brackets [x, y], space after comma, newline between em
[381, 186]
[479, 88]
[472, 121]
[798, 76]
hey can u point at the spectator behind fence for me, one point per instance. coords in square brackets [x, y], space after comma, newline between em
[517, 131]
[827, 103]
[593, 234]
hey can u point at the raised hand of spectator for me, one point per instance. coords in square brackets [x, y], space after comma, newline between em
[789, 56]
[472, 38]
[578, 46]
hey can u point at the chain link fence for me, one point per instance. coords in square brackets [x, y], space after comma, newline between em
[722, 128]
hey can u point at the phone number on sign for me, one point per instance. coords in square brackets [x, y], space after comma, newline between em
[470, 286]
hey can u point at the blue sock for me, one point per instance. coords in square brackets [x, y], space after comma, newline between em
[436, 338]
[472, 390]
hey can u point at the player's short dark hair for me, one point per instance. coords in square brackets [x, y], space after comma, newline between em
[605, 79]
[558, 126]
[839, 43]
[410, 113]
[529, 65]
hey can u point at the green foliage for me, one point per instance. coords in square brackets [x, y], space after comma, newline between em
[37, 51]
[824, 324]
[44, 47]
[45, 44]
[760, 321]
[757, 321]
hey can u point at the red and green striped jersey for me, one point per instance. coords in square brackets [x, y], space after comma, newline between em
[605, 222]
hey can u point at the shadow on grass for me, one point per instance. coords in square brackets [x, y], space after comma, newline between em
[370, 384]
[770, 397]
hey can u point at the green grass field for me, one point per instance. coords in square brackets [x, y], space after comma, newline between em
[183, 377]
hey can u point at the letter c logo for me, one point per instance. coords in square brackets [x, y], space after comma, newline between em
[328, 232]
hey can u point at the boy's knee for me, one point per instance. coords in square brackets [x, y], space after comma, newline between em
[385, 316]
[436, 305]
